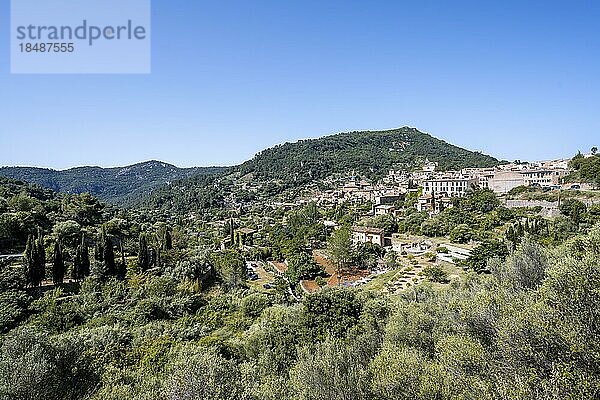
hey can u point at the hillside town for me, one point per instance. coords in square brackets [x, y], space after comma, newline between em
[399, 194]
[437, 188]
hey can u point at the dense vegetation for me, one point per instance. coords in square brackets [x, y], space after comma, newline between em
[527, 331]
[288, 167]
[370, 153]
[120, 185]
[586, 169]
[107, 303]
[142, 307]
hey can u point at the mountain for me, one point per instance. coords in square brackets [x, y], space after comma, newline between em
[119, 185]
[372, 153]
[286, 166]
[292, 165]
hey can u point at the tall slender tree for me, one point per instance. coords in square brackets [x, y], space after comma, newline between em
[121, 265]
[41, 259]
[109, 257]
[143, 254]
[77, 273]
[29, 260]
[58, 266]
[99, 250]
[85, 258]
[167, 240]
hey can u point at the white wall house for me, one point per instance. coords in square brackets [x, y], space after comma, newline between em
[450, 187]
[362, 234]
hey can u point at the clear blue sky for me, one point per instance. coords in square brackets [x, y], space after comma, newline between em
[514, 79]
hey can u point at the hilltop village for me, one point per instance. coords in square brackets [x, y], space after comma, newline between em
[385, 209]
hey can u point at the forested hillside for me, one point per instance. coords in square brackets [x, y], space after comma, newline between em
[371, 153]
[159, 185]
[292, 165]
[119, 185]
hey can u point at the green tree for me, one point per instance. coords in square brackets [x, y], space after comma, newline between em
[81, 264]
[461, 234]
[58, 266]
[334, 370]
[574, 209]
[435, 273]
[14, 300]
[302, 266]
[199, 373]
[231, 268]
[487, 250]
[339, 248]
[397, 372]
[109, 257]
[35, 260]
[143, 253]
[167, 240]
[330, 312]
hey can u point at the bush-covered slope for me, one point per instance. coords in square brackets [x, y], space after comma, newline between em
[291, 165]
[120, 185]
[372, 153]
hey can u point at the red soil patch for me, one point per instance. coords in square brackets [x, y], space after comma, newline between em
[348, 275]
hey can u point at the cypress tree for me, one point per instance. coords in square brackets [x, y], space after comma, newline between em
[35, 267]
[151, 257]
[157, 259]
[77, 273]
[121, 266]
[519, 229]
[143, 256]
[58, 267]
[85, 258]
[28, 260]
[40, 260]
[168, 240]
[99, 251]
[109, 257]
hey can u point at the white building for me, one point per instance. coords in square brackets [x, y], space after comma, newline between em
[362, 234]
[449, 186]
[384, 209]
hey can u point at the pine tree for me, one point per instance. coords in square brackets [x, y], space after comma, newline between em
[58, 266]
